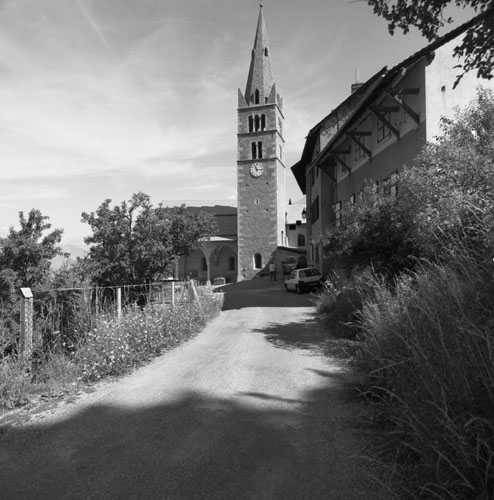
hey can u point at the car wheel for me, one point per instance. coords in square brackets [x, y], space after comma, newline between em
[298, 289]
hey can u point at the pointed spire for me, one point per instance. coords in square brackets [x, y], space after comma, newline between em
[260, 81]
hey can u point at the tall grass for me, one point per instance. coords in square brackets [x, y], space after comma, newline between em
[428, 353]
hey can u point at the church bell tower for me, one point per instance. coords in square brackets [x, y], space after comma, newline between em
[260, 166]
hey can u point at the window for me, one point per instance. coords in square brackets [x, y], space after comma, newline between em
[382, 130]
[338, 214]
[387, 186]
[256, 150]
[314, 210]
[231, 263]
[257, 96]
[301, 240]
[263, 122]
[280, 126]
[251, 124]
[266, 51]
[352, 199]
[257, 122]
[257, 261]
[359, 152]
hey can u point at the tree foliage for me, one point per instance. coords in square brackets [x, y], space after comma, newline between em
[135, 243]
[445, 201]
[476, 49]
[25, 254]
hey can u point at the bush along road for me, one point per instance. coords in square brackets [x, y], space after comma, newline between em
[254, 407]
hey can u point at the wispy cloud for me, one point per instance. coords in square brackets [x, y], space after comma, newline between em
[92, 23]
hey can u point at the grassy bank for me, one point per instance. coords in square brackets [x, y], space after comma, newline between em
[426, 355]
[112, 348]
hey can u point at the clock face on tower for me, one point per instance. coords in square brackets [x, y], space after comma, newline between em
[256, 170]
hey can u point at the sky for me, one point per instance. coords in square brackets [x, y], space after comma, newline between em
[104, 98]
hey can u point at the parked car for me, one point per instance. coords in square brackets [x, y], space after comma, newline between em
[289, 265]
[302, 280]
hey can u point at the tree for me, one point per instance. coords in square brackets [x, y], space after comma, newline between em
[477, 47]
[135, 243]
[379, 231]
[27, 252]
[25, 256]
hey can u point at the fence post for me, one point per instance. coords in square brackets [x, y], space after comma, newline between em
[119, 303]
[194, 292]
[173, 294]
[26, 340]
[96, 301]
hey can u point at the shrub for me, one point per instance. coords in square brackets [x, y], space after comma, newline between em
[14, 382]
[114, 347]
[341, 307]
[429, 359]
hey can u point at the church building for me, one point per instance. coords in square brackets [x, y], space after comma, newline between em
[267, 228]
[260, 162]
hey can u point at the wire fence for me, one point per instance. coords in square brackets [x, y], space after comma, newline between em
[61, 316]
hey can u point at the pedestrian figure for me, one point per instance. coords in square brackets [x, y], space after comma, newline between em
[272, 271]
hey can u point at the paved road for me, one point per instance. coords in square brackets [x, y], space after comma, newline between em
[248, 409]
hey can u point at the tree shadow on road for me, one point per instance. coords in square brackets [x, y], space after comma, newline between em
[311, 334]
[261, 292]
[197, 447]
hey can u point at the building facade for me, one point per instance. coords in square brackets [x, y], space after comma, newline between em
[378, 130]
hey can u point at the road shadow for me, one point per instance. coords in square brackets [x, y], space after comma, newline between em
[197, 447]
[261, 292]
[311, 334]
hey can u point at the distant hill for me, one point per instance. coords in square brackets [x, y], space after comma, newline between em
[74, 251]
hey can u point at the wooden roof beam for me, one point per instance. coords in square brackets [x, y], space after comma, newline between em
[346, 151]
[354, 136]
[386, 109]
[341, 161]
[404, 91]
[359, 133]
[327, 169]
[379, 116]
[406, 108]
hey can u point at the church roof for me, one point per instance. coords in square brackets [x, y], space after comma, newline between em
[226, 219]
[260, 72]
[260, 88]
